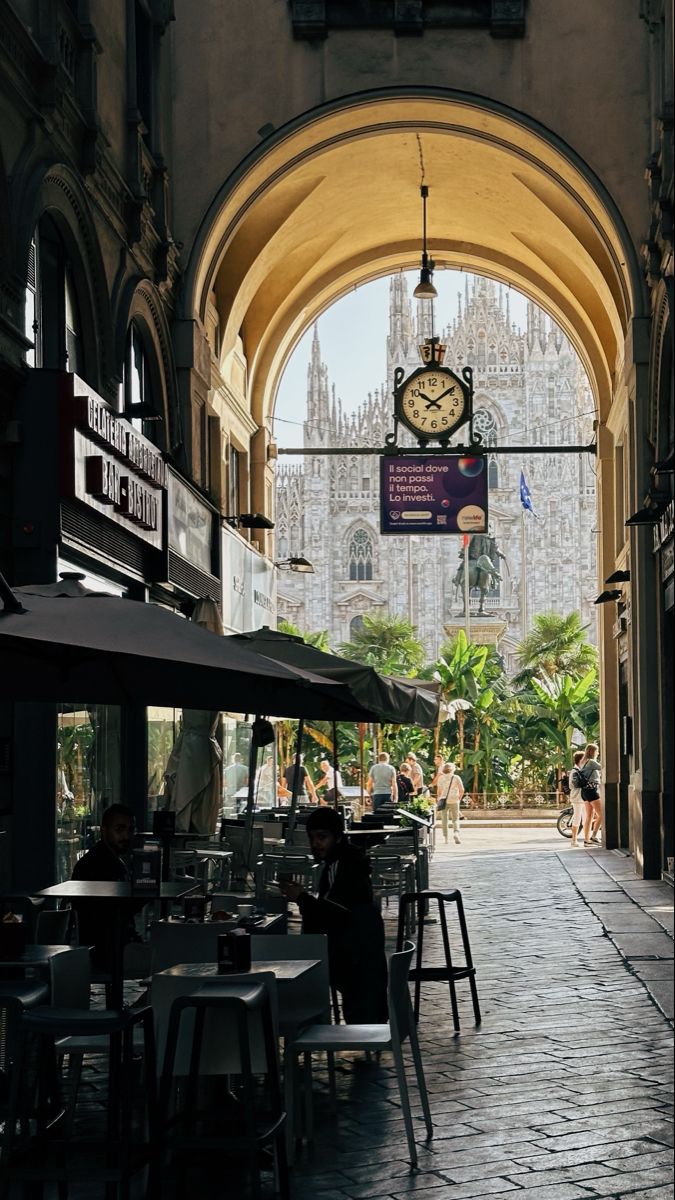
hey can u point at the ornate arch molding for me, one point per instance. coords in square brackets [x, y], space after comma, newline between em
[661, 366]
[55, 191]
[590, 281]
[142, 304]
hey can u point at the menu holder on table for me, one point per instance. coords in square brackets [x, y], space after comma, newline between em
[13, 938]
[194, 908]
[146, 868]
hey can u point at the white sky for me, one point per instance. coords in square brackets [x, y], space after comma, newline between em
[352, 334]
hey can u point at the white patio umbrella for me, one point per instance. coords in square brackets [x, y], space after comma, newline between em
[192, 776]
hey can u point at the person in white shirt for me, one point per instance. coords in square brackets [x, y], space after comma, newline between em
[416, 773]
[331, 779]
[449, 793]
[575, 795]
[381, 783]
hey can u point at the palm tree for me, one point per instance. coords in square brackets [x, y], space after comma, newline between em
[567, 704]
[319, 639]
[387, 643]
[555, 646]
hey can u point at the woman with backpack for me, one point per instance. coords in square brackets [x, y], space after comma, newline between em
[575, 780]
[590, 794]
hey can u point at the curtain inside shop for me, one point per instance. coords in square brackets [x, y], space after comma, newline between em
[88, 777]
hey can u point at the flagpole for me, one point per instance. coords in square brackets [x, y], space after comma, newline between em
[523, 577]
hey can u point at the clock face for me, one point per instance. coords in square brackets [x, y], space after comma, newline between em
[432, 402]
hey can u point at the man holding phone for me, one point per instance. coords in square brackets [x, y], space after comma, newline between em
[345, 911]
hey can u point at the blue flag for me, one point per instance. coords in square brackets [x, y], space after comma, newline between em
[525, 497]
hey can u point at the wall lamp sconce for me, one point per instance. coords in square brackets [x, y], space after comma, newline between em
[142, 412]
[606, 597]
[653, 508]
[618, 577]
[249, 521]
[300, 565]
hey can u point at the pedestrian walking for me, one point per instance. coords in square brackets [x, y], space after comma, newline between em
[449, 795]
[381, 783]
[404, 784]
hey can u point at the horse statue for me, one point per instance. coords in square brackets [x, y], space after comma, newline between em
[482, 575]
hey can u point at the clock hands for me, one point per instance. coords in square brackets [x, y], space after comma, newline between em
[452, 388]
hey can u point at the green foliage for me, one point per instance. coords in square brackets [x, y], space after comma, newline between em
[421, 806]
[556, 645]
[387, 643]
[319, 640]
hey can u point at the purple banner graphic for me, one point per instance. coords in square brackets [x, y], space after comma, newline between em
[433, 494]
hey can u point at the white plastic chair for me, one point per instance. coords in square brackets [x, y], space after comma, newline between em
[390, 1036]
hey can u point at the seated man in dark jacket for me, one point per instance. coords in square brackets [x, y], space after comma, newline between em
[104, 862]
[344, 910]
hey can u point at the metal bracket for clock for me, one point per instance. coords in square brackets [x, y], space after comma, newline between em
[475, 439]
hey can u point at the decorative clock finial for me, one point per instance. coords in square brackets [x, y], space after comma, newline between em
[432, 351]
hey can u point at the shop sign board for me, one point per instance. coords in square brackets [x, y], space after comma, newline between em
[439, 493]
[249, 587]
[190, 524]
[109, 465]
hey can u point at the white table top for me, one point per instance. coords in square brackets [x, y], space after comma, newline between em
[286, 970]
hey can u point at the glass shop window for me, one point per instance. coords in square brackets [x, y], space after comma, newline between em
[88, 777]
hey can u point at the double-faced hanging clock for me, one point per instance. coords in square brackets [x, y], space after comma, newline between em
[433, 401]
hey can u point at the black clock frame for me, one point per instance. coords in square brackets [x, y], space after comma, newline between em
[401, 382]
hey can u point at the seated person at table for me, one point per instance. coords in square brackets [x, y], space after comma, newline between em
[105, 862]
[345, 911]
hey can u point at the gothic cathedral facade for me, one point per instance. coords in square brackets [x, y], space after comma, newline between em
[529, 389]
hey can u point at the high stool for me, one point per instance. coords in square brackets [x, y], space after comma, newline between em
[449, 972]
[239, 1016]
[37, 1145]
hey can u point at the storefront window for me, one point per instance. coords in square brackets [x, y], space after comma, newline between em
[163, 729]
[88, 776]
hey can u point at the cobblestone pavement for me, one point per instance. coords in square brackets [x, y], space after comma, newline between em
[565, 1089]
[564, 1092]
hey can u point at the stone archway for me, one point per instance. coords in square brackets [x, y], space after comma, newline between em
[333, 199]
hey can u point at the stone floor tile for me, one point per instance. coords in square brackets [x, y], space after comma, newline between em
[490, 1186]
[610, 1185]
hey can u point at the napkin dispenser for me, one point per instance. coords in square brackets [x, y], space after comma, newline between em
[234, 951]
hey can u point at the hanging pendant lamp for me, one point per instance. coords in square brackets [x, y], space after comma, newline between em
[425, 289]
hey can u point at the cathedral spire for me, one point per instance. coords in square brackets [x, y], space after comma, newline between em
[318, 404]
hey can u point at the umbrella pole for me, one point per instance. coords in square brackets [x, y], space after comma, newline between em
[295, 786]
[335, 765]
[362, 763]
[250, 799]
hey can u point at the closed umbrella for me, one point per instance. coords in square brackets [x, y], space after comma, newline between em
[192, 776]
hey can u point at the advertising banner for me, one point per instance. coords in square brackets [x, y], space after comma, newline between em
[439, 493]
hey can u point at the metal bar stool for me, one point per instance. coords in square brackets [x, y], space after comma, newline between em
[235, 1023]
[448, 972]
[37, 1145]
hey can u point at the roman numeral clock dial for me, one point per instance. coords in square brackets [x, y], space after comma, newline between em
[432, 402]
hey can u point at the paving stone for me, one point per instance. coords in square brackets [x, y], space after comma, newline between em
[655, 945]
[609, 1185]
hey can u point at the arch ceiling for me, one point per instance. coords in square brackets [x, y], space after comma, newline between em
[334, 201]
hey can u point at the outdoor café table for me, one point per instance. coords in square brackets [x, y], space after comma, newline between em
[121, 896]
[34, 959]
[185, 978]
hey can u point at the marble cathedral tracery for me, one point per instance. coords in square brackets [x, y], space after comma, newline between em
[530, 389]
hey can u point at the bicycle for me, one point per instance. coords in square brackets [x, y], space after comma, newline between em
[564, 822]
